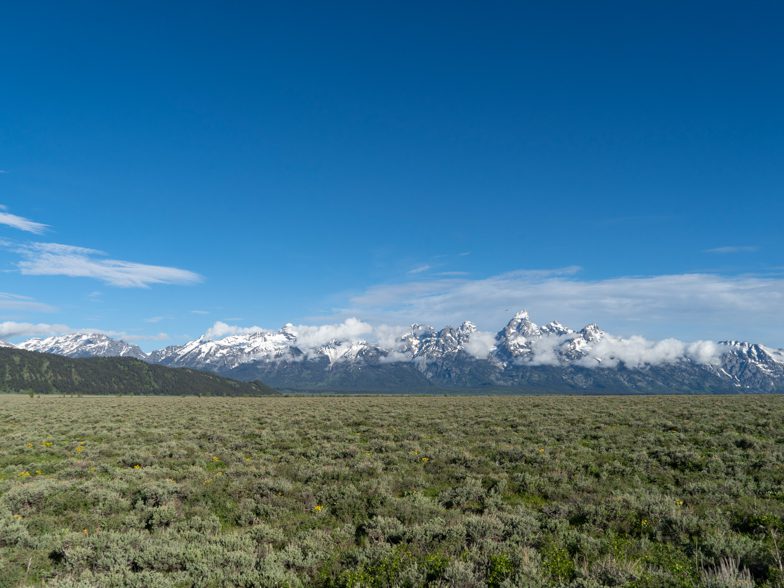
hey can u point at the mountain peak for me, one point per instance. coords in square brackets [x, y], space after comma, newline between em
[592, 332]
[453, 356]
[467, 327]
[84, 345]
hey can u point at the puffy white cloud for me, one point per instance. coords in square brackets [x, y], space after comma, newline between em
[708, 352]
[221, 329]
[308, 336]
[545, 350]
[55, 259]
[389, 336]
[352, 329]
[480, 344]
[633, 352]
[20, 222]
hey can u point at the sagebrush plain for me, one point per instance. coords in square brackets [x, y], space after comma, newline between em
[392, 491]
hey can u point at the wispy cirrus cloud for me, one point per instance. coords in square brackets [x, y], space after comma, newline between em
[420, 269]
[21, 223]
[728, 249]
[155, 319]
[56, 259]
[15, 302]
[12, 329]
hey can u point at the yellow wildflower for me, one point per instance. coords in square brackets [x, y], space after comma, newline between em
[24, 474]
[424, 459]
[29, 445]
[39, 472]
[137, 466]
[318, 508]
[47, 443]
[215, 458]
[678, 502]
[79, 448]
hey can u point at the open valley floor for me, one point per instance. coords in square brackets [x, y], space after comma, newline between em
[392, 491]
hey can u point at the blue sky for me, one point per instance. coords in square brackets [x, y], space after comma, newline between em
[613, 162]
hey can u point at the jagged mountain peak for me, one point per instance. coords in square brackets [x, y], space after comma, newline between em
[555, 328]
[84, 345]
[592, 332]
[459, 356]
[522, 324]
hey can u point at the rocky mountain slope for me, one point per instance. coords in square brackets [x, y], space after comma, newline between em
[84, 345]
[523, 356]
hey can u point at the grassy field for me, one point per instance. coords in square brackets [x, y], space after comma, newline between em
[380, 491]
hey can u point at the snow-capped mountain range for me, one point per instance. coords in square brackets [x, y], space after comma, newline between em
[522, 356]
[84, 345]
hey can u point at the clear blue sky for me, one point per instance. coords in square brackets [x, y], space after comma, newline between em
[393, 161]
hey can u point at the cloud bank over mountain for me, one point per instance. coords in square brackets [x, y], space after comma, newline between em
[687, 306]
[355, 355]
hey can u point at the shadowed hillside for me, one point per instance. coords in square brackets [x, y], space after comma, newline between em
[43, 373]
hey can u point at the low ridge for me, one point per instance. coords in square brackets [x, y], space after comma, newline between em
[44, 373]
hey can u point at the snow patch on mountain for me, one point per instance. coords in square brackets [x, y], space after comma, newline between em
[84, 345]
[455, 355]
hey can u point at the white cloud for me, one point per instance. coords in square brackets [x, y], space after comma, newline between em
[544, 350]
[687, 306]
[55, 259]
[13, 329]
[419, 269]
[351, 329]
[200, 312]
[15, 302]
[221, 329]
[388, 336]
[480, 344]
[637, 351]
[733, 249]
[308, 336]
[20, 222]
